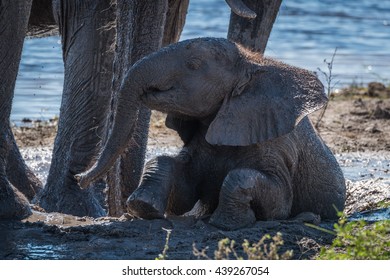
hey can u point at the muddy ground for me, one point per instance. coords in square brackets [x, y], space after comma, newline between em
[356, 128]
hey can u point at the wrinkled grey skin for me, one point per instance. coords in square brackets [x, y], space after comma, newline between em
[89, 77]
[250, 152]
[85, 102]
[254, 33]
[17, 183]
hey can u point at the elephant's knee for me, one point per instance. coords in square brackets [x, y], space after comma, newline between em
[239, 184]
[234, 207]
[267, 195]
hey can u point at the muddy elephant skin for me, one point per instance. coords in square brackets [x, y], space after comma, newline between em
[250, 151]
[17, 183]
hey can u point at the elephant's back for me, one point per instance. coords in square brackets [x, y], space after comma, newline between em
[318, 182]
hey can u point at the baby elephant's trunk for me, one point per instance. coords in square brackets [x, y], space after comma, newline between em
[125, 116]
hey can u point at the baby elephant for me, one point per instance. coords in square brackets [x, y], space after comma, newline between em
[250, 152]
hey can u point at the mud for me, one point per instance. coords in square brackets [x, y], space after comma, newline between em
[354, 124]
[141, 239]
[353, 129]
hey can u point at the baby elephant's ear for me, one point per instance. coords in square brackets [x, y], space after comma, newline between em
[270, 105]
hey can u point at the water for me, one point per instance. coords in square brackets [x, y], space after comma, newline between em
[305, 33]
[32, 251]
[40, 80]
[371, 215]
[364, 166]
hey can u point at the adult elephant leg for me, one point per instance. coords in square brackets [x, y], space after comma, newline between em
[14, 15]
[247, 195]
[42, 22]
[254, 33]
[140, 27]
[175, 20]
[19, 174]
[88, 59]
[13, 204]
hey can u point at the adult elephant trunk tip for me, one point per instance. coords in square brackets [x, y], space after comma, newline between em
[114, 147]
[110, 153]
[239, 8]
[86, 178]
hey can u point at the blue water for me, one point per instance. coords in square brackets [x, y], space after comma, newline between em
[305, 33]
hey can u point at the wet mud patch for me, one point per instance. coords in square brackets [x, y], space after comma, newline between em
[367, 177]
[143, 239]
[59, 236]
[372, 215]
[356, 124]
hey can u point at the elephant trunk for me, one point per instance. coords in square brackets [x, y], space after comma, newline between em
[240, 9]
[125, 116]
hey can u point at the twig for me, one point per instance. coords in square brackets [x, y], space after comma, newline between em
[329, 84]
[163, 255]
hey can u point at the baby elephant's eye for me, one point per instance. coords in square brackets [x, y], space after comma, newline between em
[194, 63]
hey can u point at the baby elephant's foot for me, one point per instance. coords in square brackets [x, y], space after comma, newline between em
[150, 199]
[234, 210]
[144, 207]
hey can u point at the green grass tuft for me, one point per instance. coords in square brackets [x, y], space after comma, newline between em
[358, 240]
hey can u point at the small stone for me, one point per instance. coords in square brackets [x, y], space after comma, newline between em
[81, 219]
[26, 120]
[373, 129]
[359, 112]
[376, 89]
[381, 113]
[126, 217]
